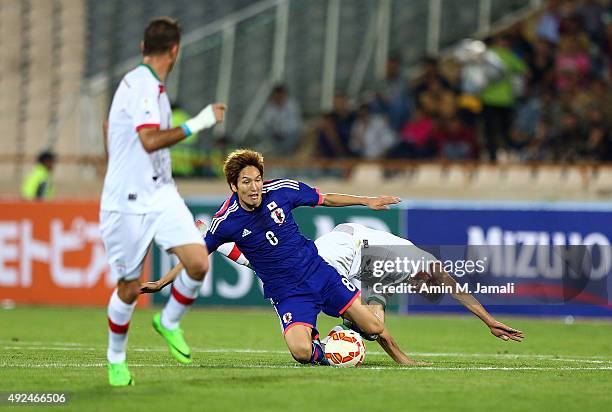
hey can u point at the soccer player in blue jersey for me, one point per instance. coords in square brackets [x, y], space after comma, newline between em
[299, 283]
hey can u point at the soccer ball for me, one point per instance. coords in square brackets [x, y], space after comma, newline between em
[344, 348]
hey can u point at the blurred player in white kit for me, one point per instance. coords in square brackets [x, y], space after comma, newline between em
[140, 202]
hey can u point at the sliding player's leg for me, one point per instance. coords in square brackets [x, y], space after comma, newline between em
[126, 240]
[298, 316]
[177, 233]
[341, 298]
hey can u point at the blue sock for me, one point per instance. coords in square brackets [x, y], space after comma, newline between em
[318, 355]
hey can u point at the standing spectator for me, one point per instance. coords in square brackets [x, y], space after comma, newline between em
[37, 185]
[548, 24]
[185, 155]
[280, 127]
[499, 96]
[371, 136]
[392, 97]
[334, 131]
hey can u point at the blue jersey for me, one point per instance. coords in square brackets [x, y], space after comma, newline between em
[269, 237]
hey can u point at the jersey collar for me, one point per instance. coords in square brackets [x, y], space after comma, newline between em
[151, 70]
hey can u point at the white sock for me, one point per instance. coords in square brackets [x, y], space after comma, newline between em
[184, 292]
[119, 315]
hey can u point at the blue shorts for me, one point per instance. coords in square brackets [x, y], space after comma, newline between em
[324, 291]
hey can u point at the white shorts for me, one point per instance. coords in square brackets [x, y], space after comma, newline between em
[127, 237]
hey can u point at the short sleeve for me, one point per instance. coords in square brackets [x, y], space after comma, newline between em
[144, 105]
[304, 195]
[213, 241]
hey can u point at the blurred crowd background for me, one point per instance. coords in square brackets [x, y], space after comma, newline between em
[318, 82]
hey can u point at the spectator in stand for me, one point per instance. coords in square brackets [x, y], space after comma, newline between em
[334, 130]
[548, 24]
[601, 94]
[280, 127]
[371, 135]
[437, 100]
[392, 97]
[499, 96]
[415, 138]
[572, 62]
[599, 142]
[455, 140]
[570, 140]
[591, 14]
[541, 66]
[431, 72]
[37, 184]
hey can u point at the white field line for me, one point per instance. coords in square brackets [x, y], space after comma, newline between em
[394, 368]
[77, 347]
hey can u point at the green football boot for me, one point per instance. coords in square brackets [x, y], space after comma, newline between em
[119, 374]
[174, 338]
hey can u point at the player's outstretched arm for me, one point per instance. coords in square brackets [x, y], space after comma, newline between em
[154, 139]
[156, 286]
[375, 203]
[386, 341]
[498, 329]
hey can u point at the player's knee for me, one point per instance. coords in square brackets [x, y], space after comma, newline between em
[198, 268]
[128, 291]
[373, 327]
[301, 351]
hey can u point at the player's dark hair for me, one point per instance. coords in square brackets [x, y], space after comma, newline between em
[238, 160]
[161, 35]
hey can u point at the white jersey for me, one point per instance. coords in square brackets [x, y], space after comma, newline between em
[136, 181]
[341, 247]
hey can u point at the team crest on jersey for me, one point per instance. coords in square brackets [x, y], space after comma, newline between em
[278, 215]
[287, 317]
[271, 206]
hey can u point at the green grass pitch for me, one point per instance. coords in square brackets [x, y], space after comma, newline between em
[241, 364]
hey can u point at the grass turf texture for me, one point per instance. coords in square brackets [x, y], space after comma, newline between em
[241, 363]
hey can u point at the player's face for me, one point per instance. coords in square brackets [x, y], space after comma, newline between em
[249, 187]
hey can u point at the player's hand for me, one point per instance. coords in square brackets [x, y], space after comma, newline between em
[412, 362]
[219, 110]
[149, 287]
[382, 202]
[208, 117]
[505, 332]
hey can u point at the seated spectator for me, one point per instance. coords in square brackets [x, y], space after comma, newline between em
[437, 100]
[599, 141]
[572, 62]
[415, 138]
[591, 14]
[569, 141]
[371, 135]
[541, 66]
[431, 72]
[334, 130]
[280, 127]
[525, 123]
[455, 140]
[391, 96]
